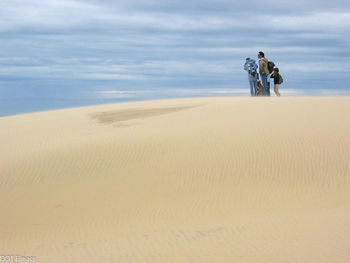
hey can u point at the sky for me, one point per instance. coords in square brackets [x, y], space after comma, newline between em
[66, 53]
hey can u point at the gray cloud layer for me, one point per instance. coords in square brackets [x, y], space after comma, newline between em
[126, 45]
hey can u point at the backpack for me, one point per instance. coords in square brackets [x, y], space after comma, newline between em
[281, 80]
[270, 66]
[252, 69]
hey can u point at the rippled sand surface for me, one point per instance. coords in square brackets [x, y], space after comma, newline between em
[183, 180]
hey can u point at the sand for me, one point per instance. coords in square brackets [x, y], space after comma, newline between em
[182, 180]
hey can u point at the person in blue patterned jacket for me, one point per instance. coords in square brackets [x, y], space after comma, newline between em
[252, 68]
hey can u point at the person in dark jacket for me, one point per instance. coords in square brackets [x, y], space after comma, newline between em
[277, 80]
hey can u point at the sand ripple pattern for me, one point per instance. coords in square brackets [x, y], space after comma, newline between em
[186, 180]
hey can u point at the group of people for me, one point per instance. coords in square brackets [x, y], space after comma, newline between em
[260, 86]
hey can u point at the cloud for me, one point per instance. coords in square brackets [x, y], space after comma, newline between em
[116, 94]
[180, 45]
[72, 14]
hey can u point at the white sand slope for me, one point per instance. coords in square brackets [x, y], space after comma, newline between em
[185, 180]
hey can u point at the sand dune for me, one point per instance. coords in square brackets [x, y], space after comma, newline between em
[183, 180]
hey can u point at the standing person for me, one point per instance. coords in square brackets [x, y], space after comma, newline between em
[277, 80]
[252, 68]
[264, 72]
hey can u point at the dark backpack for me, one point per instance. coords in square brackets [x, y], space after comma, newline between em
[281, 80]
[270, 66]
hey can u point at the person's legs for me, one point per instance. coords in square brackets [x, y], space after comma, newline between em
[251, 83]
[265, 85]
[276, 88]
[268, 79]
[255, 84]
